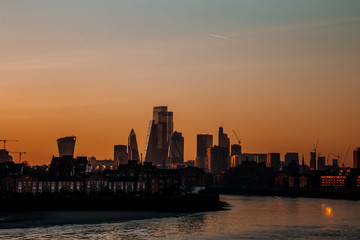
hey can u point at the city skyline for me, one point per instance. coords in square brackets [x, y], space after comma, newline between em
[282, 75]
[223, 141]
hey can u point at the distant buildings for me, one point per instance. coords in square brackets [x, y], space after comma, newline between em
[204, 141]
[66, 166]
[120, 154]
[217, 159]
[66, 146]
[312, 160]
[273, 161]
[256, 157]
[160, 131]
[133, 152]
[291, 157]
[176, 150]
[321, 163]
[356, 160]
[235, 149]
[4, 156]
[224, 142]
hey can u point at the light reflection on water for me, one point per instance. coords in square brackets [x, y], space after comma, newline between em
[249, 218]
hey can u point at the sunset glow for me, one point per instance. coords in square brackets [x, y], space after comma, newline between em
[281, 75]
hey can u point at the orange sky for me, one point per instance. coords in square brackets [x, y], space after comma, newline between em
[280, 75]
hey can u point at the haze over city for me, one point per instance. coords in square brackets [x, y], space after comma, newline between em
[281, 74]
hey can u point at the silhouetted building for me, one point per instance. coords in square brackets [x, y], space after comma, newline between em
[66, 146]
[291, 157]
[255, 157]
[133, 151]
[217, 159]
[356, 160]
[273, 161]
[312, 160]
[204, 141]
[224, 142]
[176, 150]
[235, 149]
[67, 166]
[4, 156]
[120, 154]
[335, 163]
[158, 137]
[235, 161]
[248, 174]
[247, 157]
[321, 163]
[95, 165]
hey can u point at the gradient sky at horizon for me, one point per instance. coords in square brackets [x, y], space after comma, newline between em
[282, 74]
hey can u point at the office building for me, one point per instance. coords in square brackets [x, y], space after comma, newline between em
[235, 149]
[120, 154]
[133, 152]
[235, 161]
[321, 163]
[176, 150]
[204, 141]
[312, 160]
[224, 142]
[291, 157]
[158, 137]
[217, 159]
[273, 161]
[66, 146]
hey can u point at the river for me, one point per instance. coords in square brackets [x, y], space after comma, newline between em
[248, 218]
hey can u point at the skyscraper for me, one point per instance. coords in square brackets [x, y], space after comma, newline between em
[321, 163]
[217, 159]
[312, 160]
[158, 137]
[203, 142]
[176, 150]
[235, 149]
[120, 154]
[356, 163]
[224, 142]
[66, 146]
[133, 151]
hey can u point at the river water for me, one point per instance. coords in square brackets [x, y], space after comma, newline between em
[248, 218]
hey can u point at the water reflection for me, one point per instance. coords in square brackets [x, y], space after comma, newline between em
[327, 210]
[191, 223]
[249, 218]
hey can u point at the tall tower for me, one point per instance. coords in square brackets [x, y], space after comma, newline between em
[176, 150]
[133, 151]
[204, 141]
[158, 137]
[224, 142]
[66, 146]
[321, 163]
[312, 160]
[217, 159]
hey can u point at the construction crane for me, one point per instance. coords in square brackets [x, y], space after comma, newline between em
[316, 146]
[7, 140]
[239, 142]
[20, 153]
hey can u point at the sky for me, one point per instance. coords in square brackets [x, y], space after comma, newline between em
[281, 74]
